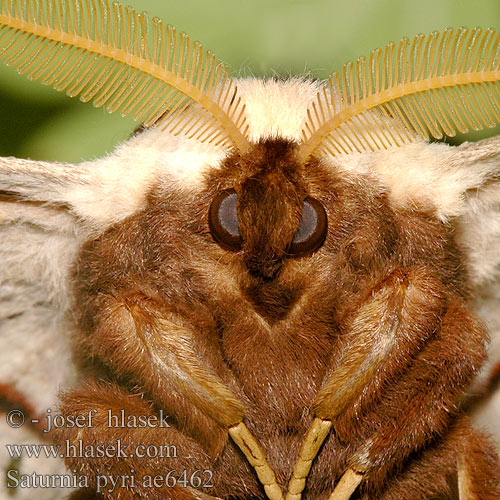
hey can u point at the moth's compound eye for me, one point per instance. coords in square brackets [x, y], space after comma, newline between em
[312, 229]
[223, 220]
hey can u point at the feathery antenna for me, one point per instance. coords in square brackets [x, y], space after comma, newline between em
[123, 61]
[430, 86]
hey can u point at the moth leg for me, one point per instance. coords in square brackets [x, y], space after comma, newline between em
[257, 459]
[478, 469]
[145, 338]
[417, 408]
[118, 461]
[315, 437]
[434, 473]
[347, 485]
[157, 348]
[396, 320]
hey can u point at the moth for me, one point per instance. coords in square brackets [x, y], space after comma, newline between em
[287, 269]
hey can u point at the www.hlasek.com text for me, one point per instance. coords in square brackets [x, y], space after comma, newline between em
[78, 449]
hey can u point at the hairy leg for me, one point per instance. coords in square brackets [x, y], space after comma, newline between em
[401, 375]
[433, 473]
[418, 407]
[134, 455]
[145, 339]
[178, 362]
[400, 315]
[397, 319]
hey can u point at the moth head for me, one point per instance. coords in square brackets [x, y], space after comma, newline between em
[267, 214]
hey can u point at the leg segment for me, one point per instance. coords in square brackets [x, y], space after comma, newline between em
[417, 408]
[437, 472]
[147, 340]
[398, 319]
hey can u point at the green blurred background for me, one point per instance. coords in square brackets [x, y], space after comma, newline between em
[254, 37]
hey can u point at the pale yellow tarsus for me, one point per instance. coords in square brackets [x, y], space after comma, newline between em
[347, 485]
[463, 479]
[255, 456]
[312, 443]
